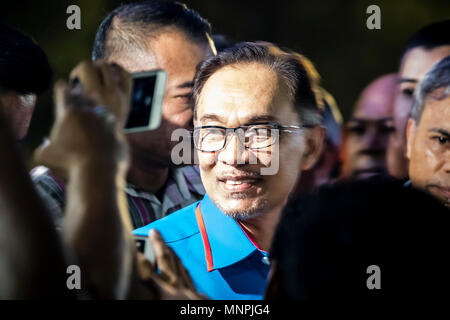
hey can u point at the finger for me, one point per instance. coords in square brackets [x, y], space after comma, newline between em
[90, 78]
[181, 272]
[163, 257]
[123, 84]
[123, 78]
[110, 78]
[60, 91]
[178, 269]
[107, 74]
[145, 268]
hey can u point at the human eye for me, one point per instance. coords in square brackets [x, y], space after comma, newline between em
[212, 133]
[387, 128]
[407, 90]
[357, 129]
[441, 140]
[258, 132]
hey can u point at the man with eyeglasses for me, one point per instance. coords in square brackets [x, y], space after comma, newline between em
[256, 118]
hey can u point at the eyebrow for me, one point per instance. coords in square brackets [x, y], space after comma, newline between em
[255, 119]
[410, 80]
[441, 131]
[186, 84]
[262, 118]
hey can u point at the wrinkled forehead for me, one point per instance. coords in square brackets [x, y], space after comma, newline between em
[436, 112]
[243, 91]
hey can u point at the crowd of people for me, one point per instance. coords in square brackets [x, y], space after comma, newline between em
[286, 202]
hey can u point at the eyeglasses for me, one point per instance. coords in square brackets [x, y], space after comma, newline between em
[252, 136]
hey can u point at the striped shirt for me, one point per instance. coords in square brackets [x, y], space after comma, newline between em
[183, 188]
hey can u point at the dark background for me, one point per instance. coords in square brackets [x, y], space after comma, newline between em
[333, 34]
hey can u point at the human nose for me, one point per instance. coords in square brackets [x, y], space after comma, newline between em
[234, 151]
[373, 138]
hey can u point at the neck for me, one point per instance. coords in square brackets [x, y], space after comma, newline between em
[261, 229]
[150, 178]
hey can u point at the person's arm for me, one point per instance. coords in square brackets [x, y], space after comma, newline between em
[32, 263]
[88, 148]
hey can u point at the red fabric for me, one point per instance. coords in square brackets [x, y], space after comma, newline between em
[201, 226]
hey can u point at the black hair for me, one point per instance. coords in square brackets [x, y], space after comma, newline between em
[130, 23]
[221, 42]
[24, 67]
[431, 36]
[298, 72]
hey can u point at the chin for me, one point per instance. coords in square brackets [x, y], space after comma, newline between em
[241, 209]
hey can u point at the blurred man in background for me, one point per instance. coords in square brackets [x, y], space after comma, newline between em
[326, 170]
[366, 135]
[428, 134]
[426, 47]
[24, 73]
[144, 36]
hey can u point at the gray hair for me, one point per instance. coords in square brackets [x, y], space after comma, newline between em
[438, 77]
[298, 72]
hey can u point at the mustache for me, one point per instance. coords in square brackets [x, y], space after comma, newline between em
[240, 174]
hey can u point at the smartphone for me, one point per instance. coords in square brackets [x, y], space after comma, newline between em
[144, 246]
[146, 101]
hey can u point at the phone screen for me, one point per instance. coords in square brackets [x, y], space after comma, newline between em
[146, 101]
[144, 246]
[141, 102]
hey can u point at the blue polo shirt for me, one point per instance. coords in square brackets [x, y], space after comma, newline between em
[222, 260]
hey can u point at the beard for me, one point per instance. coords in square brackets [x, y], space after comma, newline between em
[256, 209]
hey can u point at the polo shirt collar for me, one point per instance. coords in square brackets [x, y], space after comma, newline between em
[228, 242]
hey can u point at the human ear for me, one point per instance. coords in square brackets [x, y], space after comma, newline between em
[314, 141]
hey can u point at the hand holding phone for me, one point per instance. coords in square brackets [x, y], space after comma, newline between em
[144, 246]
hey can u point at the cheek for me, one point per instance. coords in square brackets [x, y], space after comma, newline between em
[264, 157]
[177, 108]
[402, 111]
[206, 161]
[424, 162]
[289, 169]
[351, 144]
[432, 159]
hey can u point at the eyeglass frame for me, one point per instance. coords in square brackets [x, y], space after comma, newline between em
[276, 126]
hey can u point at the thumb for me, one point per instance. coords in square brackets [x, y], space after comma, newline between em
[60, 90]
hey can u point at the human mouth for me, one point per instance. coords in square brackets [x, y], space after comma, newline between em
[369, 172]
[238, 183]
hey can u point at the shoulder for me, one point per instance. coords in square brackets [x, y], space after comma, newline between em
[175, 227]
